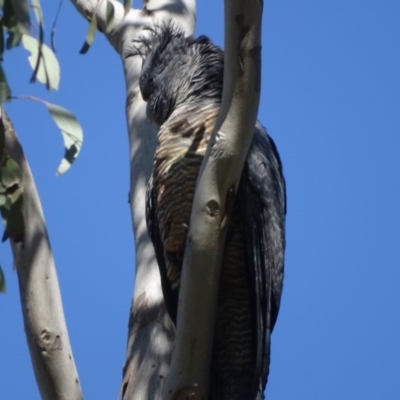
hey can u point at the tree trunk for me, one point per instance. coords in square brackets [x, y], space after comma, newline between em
[150, 334]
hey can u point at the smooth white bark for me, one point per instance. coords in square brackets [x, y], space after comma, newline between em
[42, 310]
[215, 192]
[150, 330]
[151, 333]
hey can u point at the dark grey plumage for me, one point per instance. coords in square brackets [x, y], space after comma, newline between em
[181, 81]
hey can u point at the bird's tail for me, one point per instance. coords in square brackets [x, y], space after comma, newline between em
[236, 387]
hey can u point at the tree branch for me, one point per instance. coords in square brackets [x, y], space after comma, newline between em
[42, 310]
[89, 7]
[215, 192]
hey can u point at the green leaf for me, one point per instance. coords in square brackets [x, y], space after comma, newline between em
[90, 35]
[2, 142]
[21, 10]
[1, 40]
[71, 132]
[11, 195]
[49, 69]
[10, 177]
[53, 29]
[14, 37]
[10, 21]
[3, 287]
[37, 9]
[127, 6]
[109, 17]
[12, 213]
[5, 90]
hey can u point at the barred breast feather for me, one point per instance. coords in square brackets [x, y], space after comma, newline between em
[252, 270]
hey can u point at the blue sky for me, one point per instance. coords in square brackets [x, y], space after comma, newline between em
[331, 100]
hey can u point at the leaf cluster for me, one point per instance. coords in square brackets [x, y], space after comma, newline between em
[18, 19]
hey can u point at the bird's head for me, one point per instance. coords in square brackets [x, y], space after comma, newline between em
[178, 70]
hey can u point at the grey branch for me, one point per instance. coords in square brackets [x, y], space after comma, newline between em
[42, 310]
[218, 180]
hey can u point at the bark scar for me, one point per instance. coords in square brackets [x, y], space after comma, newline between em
[229, 202]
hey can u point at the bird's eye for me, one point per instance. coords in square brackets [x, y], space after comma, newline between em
[147, 87]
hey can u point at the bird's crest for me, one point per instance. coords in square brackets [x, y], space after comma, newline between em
[153, 37]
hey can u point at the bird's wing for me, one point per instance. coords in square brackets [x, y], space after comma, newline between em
[170, 294]
[262, 198]
[182, 142]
